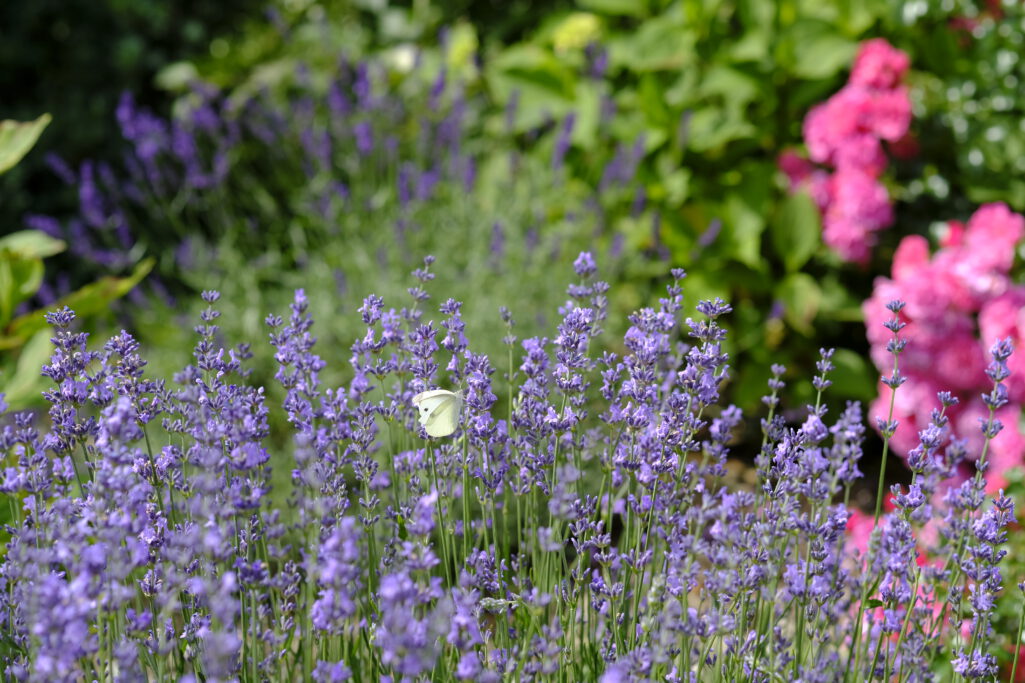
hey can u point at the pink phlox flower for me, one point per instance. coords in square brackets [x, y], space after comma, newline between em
[1002, 317]
[860, 206]
[879, 65]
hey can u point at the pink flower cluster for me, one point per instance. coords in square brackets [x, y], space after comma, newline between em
[965, 281]
[846, 133]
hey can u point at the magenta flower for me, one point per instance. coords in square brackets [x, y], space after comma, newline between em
[846, 134]
[959, 301]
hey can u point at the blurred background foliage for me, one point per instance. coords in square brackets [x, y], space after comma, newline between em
[503, 137]
[73, 58]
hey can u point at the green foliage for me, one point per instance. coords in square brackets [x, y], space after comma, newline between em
[797, 233]
[25, 339]
[967, 57]
[713, 91]
[285, 218]
[17, 138]
[21, 268]
[75, 58]
[487, 258]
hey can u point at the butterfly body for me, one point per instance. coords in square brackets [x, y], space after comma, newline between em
[439, 411]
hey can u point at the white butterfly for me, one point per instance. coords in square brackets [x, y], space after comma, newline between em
[439, 411]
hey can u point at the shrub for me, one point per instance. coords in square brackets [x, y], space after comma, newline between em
[960, 301]
[847, 132]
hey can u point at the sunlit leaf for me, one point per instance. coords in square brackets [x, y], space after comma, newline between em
[86, 301]
[17, 138]
[26, 382]
[32, 244]
[796, 233]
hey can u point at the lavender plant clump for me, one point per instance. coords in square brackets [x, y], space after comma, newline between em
[577, 529]
[230, 166]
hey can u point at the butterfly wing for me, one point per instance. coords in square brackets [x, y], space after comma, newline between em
[428, 401]
[439, 411]
[445, 418]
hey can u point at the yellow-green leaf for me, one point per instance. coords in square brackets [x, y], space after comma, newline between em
[26, 382]
[86, 301]
[32, 244]
[17, 138]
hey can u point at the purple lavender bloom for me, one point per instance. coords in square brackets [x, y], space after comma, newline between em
[584, 265]
[60, 168]
[437, 90]
[339, 577]
[562, 142]
[328, 672]
[407, 643]
[46, 224]
[364, 138]
[597, 61]
[89, 198]
[511, 111]
[710, 234]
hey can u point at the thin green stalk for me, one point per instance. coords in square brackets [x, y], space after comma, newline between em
[466, 507]
[442, 536]
[307, 626]
[644, 539]
[1017, 643]
[879, 647]
[875, 526]
[799, 654]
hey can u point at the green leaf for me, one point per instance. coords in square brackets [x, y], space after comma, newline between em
[23, 387]
[712, 127]
[734, 86]
[839, 302]
[853, 376]
[7, 289]
[28, 276]
[820, 52]
[684, 90]
[176, 77]
[86, 301]
[32, 244]
[17, 138]
[741, 236]
[747, 188]
[626, 8]
[662, 43]
[20, 278]
[545, 86]
[797, 231]
[750, 385]
[753, 46]
[801, 298]
[824, 57]
[676, 185]
[588, 110]
[651, 98]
